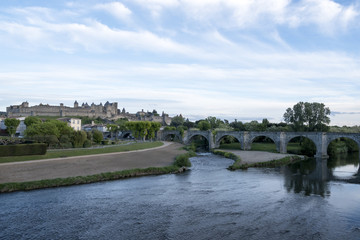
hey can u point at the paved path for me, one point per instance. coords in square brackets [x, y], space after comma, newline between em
[90, 164]
[257, 156]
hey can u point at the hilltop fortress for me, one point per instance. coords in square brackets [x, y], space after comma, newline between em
[108, 110]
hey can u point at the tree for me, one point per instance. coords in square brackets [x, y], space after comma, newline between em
[237, 125]
[11, 125]
[97, 136]
[214, 122]
[308, 116]
[78, 138]
[204, 125]
[178, 120]
[31, 120]
[113, 128]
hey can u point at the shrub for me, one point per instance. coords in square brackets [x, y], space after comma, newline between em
[23, 149]
[87, 143]
[183, 159]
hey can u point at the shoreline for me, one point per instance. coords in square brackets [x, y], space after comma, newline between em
[88, 165]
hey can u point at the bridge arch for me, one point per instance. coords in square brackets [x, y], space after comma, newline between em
[271, 135]
[205, 134]
[314, 137]
[221, 135]
[175, 135]
[332, 137]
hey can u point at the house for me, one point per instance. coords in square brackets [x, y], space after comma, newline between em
[74, 123]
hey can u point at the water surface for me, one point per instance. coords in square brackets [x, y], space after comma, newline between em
[303, 201]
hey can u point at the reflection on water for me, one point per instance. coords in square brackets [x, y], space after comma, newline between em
[312, 176]
[207, 202]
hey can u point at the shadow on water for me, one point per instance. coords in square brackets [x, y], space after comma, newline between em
[313, 176]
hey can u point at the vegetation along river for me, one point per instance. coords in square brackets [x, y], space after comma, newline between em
[308, 200]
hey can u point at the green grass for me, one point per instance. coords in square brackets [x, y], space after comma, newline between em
[82, 152]
[230, 155]
[25, 186]
[271, 164]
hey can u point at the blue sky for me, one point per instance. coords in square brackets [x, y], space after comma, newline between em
[245, 59]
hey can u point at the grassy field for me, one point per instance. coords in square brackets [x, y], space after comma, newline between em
[267, 147]
[82, 151]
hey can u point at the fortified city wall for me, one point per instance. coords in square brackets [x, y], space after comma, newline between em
[108, 110]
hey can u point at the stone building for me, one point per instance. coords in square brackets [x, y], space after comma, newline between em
[104, 111]
[108, 111]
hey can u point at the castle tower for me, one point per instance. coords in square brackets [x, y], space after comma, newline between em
[76, 104]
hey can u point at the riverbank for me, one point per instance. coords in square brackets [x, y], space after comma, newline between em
[247, 159]
[89, 165]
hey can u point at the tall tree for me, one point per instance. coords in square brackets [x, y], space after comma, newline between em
[178, 120]
[308, 116]
[11, 125]
[31, 120]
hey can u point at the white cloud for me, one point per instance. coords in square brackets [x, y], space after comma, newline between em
[326, 14]
[117, 9]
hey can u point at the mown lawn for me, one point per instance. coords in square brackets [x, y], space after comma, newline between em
[82, 152]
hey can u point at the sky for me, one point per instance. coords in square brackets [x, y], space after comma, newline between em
[232, 59]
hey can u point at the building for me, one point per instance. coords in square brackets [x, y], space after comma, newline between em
[108, 111]
[85, 110]
[74, 123]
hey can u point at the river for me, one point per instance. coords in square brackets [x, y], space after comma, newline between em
[307, 200]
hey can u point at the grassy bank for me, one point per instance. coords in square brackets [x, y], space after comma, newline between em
[230, 155]
[180, 163]
[271, 164]
[82, 152]
[60, 182]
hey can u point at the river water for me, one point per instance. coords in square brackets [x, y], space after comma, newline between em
[308, 200]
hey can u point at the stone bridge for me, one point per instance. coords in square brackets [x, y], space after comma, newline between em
[281, 139]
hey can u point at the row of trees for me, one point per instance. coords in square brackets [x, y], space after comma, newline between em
[303, 116]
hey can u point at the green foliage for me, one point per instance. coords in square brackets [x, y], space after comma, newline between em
[183, 159]
[22, 149]
[143, 129]
[31, 120]
[271, 164]
[50, 132]
[169, 128]
[237, 126]
[178, 120]
[308, 147]
[113, 128]
[308, 116]
[342, 145]
[204, 125]
[11, 125]
[78, 139]
[188, 124]
[87, 143]
[121, 122]
[97, 136]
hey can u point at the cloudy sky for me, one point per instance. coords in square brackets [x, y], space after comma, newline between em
[233, 59]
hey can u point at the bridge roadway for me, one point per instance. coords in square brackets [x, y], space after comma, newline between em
[281, 139]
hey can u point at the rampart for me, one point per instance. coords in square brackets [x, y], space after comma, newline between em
[108, 110]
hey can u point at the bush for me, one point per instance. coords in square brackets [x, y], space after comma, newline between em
[87, 143]
[23, 149]
[183, 159]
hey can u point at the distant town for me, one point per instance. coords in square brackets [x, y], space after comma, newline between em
[73, 115]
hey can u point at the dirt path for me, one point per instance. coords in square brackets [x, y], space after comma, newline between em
[257, 156]
[89, 165]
